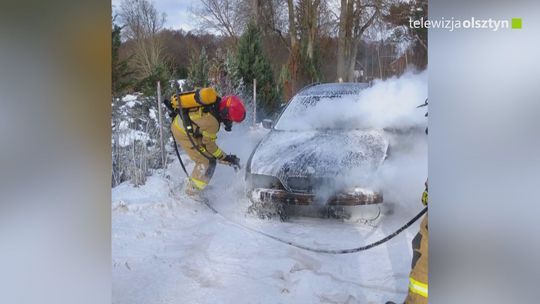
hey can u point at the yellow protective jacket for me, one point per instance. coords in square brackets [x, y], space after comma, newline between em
[207, 126]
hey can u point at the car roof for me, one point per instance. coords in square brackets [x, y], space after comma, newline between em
[333, 89]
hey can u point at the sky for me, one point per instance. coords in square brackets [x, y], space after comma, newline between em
[178, 12]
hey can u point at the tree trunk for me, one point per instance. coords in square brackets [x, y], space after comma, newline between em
[341, 54]
[352, 60]
[292, 24]
[292, 66]
[379, 60]
[292, 62]
[255, 10]
[311, 12]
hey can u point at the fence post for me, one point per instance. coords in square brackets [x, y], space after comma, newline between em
[163, 160]
[254, 102]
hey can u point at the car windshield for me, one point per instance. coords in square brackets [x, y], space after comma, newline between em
[322, 112]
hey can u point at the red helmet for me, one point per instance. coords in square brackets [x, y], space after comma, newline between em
[232, 108]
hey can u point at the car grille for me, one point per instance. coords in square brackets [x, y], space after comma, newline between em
[308, 184]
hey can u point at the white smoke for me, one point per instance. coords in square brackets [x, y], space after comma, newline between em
[387, 104]
[392, 103]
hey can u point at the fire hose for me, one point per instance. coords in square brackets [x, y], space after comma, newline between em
[320, 250]
[300, 246]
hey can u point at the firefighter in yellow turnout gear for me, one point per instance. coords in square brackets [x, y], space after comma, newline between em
[197, 117]
[418, 278]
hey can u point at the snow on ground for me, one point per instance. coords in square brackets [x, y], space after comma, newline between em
[170, 249]
[128, 136]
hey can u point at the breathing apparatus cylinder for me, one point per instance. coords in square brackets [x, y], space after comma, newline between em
[192, 99]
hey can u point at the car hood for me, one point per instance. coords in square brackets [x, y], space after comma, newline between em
[319, 153]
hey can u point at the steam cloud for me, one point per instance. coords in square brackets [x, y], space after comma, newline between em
[387, 104]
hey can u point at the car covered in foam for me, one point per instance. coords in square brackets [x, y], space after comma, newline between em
[319, 152]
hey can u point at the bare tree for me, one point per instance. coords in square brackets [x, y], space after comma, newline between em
[223, 16]
[398, 14]
[272, 19]
[142, 25]
[305, 24]
[230, 17]
[356, 16]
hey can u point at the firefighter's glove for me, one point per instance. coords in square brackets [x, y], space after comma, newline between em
[425, 197]
[233, 161]
[228, 125]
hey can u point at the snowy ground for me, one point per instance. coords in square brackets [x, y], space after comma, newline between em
[170, 249]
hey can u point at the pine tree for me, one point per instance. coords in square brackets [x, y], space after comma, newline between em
[120, 67]
[251, 63]
[221, 74]
[198, 70]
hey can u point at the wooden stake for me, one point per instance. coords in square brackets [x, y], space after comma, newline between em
[254, 102]
[163, 160]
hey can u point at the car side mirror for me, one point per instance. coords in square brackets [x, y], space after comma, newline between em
[267, 123]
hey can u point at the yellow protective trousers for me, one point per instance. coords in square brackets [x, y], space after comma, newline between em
[418, 278]
[207, 126]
